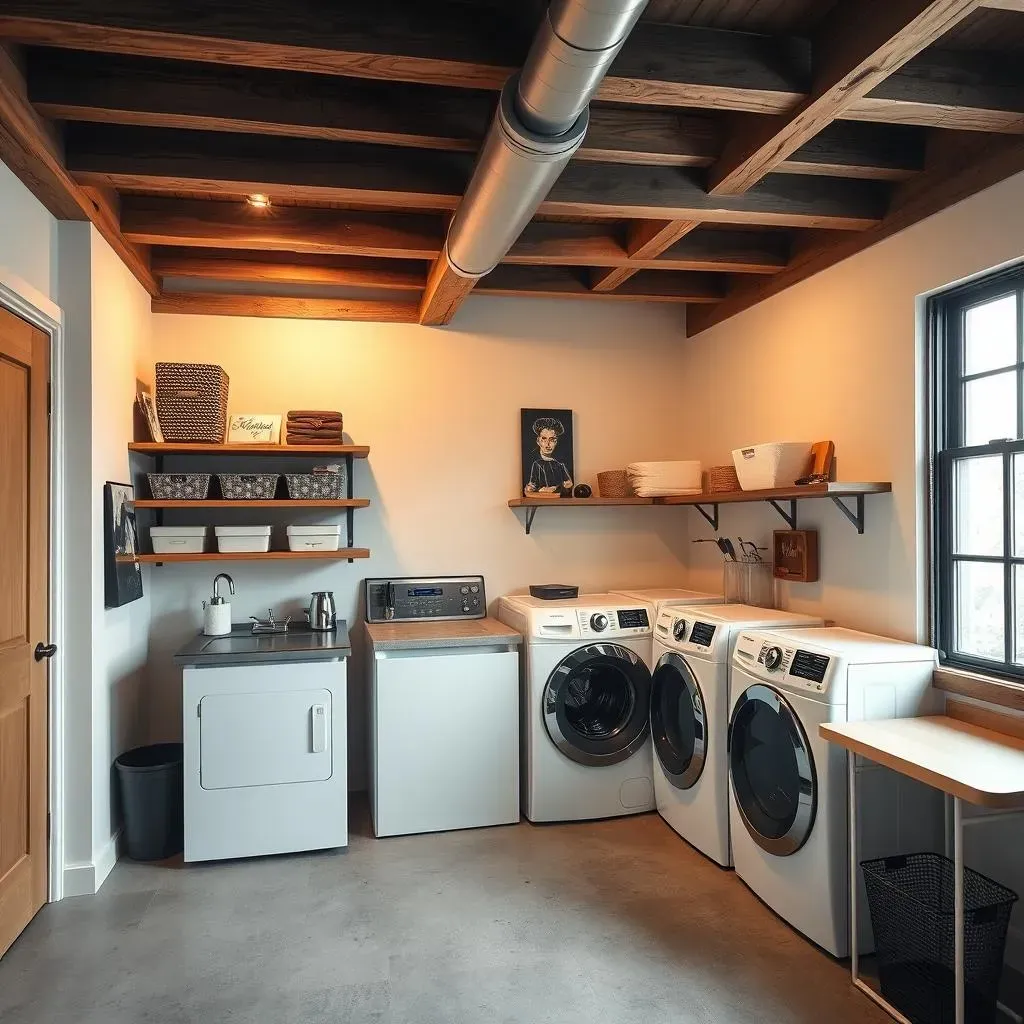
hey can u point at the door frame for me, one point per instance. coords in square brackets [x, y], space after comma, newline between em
[20, 298]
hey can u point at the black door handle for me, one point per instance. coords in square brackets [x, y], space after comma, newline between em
[45, 651]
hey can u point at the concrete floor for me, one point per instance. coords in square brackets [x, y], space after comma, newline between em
[615, 921]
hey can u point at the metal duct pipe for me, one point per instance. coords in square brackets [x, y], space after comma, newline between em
[541, 120]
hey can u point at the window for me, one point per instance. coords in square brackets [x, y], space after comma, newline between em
[978, 486]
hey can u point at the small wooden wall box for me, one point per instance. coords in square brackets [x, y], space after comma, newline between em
[796, 555]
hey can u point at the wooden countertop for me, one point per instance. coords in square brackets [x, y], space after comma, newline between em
[397, 636]
[960, 758]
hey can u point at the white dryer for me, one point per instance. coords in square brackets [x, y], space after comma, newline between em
[690, 715]
[586, 687]
[661, 597]
[788, 806]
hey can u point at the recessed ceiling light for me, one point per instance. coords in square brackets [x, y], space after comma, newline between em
[259, 200]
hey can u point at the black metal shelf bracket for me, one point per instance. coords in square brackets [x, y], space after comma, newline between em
[856, 518]
[789, 516]
[531, 511]
[711, 517]
[350, 511]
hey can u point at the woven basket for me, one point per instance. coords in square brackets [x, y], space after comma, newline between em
[316, 486]
[179, 486]
[614, 483]
[192, 402]
[720, 479]
[248, 486]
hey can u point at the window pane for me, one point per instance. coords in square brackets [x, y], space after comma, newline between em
[990, 408]
[978, 509]
[990, 335]
[1018, 613]
[1018, 504]
[979, 610]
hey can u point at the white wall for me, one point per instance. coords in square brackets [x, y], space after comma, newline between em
[107, 324]
[840, 356]
[28, 236]
[440, 411]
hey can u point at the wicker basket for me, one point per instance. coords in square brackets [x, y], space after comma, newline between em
[248, 486]
[614, 483]
[720, 479]
[192, 401]
[316, 486]
[179, 486]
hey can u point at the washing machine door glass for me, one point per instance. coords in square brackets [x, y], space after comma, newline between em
[678, 724]
[772, 771]
[596, 704]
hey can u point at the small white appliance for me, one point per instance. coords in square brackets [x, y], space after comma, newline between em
[586, 685]
[690, 715]
[788, 806]
[265, 757]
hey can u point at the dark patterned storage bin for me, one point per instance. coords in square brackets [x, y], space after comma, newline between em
[316, 486]
[179, 486]
[248, 486]
[192, 402]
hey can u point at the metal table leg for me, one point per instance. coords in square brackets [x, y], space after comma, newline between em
[958, 908]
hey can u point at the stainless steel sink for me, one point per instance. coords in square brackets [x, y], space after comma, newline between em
[247, 643]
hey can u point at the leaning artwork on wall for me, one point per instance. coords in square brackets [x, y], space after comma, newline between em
[122, 572]
[547, 452]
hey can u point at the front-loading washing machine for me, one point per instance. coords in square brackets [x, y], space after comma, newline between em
[690, 715]
[788, 794]
[586, 687]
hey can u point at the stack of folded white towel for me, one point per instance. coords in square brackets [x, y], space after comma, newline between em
[663, 479]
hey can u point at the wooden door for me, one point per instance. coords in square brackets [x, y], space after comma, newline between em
[24, 599]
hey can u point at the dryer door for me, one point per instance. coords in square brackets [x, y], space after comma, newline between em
[678, 723]
[596, 704]
[772, 771]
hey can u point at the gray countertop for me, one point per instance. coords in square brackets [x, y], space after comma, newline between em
[243, 647]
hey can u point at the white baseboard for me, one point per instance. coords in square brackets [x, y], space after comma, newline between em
[86, 879]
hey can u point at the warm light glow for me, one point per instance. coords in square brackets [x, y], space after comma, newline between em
[259, 200]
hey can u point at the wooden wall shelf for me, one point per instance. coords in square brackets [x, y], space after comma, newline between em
[779, 498]
[285, 503]
[255, 556]
[355, 451]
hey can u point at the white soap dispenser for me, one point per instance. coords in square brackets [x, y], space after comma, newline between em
[217, 612]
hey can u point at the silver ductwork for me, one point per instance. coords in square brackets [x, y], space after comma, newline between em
[541, 120]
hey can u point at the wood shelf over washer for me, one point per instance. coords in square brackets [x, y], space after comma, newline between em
[254, 556]
[355, 451]
[777, 497]
[254, 503]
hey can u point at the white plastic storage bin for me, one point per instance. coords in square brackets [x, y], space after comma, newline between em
[779, 464]
[170, 540]
[239, 539]
[322, 537]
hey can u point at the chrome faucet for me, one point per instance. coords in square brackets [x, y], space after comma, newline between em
[217, 599]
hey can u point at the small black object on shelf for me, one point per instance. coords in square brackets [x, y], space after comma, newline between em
[554, 592]
[582, 491]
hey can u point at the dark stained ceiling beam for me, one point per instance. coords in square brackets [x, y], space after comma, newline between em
[312, 171]
[571, 282]
[451, 45]
[947, 182]
[857, 48]
[288, 307]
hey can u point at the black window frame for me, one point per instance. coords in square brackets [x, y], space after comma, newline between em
[946, 320]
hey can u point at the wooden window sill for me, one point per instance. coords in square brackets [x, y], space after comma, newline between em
[980, 687]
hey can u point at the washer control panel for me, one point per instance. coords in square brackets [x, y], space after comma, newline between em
[425, 598]
[792, 667]
[614, 622]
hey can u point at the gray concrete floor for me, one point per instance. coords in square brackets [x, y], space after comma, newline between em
[616, 921]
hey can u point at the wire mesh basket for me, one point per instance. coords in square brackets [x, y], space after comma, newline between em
[316, 486]
[248, 486]
[179, 486]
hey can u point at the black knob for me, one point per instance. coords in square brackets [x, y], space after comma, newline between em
[679, 630]
[582, 491]
[45, 651]
[598, 622]
[773, 658]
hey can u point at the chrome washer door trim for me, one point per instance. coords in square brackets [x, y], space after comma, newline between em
[807, 798]
[681, 776]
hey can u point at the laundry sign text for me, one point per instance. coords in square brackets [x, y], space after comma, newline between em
[254, 428]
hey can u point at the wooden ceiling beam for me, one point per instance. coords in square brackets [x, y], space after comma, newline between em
[436, 44]
[445, 291]
[645, 240]
[32, 150]
[572, 282]
[312, 171]
[216, 304]
[177, 94]
[947, 182]
[857, 48]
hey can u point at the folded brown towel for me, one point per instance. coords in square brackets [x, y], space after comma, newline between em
[303, 439]
[320, 414]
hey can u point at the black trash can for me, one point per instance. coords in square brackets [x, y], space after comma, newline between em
[911, 903]
[151, 784]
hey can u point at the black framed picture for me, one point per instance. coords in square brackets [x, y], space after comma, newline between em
[122, 574]
[547, 452]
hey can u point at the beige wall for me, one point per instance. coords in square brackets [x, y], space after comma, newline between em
[28, 236]
[440, 410]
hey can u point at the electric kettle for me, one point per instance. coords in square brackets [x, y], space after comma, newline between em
[321, 614]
